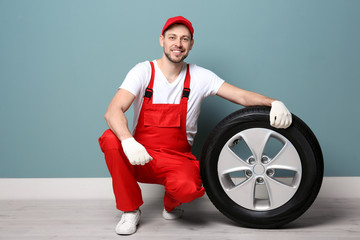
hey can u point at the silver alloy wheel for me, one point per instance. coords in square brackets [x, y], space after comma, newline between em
[259, 182]
[260, 176]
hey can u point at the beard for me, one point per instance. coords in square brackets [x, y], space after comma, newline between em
[174, 60]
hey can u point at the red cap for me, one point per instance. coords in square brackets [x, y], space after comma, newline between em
[178, 19]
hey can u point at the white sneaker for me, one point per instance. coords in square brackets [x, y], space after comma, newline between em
[128, 223]
[174, 214]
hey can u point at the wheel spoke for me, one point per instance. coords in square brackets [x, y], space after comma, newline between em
[256, 140]
[243, 194]
[287, 159]
[279, 193]
[230, 162]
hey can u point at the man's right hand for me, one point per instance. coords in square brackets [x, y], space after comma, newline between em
[135, 152]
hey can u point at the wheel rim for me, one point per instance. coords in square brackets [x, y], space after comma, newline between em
[259, 169]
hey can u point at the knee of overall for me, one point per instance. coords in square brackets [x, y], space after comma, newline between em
[109, 141]
[184, 190]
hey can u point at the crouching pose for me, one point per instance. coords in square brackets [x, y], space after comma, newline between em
[167, 94]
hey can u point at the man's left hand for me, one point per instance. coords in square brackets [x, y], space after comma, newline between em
[280, 116]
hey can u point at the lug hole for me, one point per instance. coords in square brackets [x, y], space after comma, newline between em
[260, 180]
[270, 172]
[264, 160]
[248, 173]
[251, 160]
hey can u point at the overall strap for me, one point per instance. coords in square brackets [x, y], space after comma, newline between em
[149, 89]
[186, 92]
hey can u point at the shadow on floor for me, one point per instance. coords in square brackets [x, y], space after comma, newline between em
[202, 212]
[324, 212]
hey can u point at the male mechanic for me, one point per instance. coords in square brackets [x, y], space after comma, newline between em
[167, 94]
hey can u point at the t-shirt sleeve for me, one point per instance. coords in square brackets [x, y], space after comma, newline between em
[136, 79]
[215, 84]
[209, 81]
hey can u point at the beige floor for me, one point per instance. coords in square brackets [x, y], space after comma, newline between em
[95, 219]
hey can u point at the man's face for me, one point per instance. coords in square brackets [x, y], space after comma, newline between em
[176, 43]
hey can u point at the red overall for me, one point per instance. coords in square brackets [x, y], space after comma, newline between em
[161, 129]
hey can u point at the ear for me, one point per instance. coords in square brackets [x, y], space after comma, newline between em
[161, 40]
[191, 44]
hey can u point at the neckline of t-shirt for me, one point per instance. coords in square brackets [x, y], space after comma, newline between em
[179, 78]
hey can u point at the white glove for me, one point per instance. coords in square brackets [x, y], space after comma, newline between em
[135, 152]
[280, 116]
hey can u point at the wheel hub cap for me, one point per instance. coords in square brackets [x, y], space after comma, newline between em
[259, 169]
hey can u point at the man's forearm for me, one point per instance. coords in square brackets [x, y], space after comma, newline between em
[243, 97]
[118, 123]
[256, 99]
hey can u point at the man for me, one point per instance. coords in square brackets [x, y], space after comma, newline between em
[167, 94]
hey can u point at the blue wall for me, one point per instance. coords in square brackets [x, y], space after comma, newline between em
[62, 61]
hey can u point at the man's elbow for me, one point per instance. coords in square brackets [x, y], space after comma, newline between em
[107, 116]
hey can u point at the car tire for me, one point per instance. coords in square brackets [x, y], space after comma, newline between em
[260, 176]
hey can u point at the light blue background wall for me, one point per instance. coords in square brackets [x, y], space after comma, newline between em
[62, 61]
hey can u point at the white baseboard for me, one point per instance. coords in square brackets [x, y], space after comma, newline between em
[101, 188]
[64, 188]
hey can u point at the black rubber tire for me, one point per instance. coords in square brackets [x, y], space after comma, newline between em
[305, 143]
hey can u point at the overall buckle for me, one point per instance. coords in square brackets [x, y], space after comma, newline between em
[186, 92]
[148, 93]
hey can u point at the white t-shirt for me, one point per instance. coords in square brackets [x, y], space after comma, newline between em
[203, 83]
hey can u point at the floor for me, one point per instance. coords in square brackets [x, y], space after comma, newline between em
[95, 219]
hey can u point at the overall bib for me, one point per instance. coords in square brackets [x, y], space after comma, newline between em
[161, 129]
